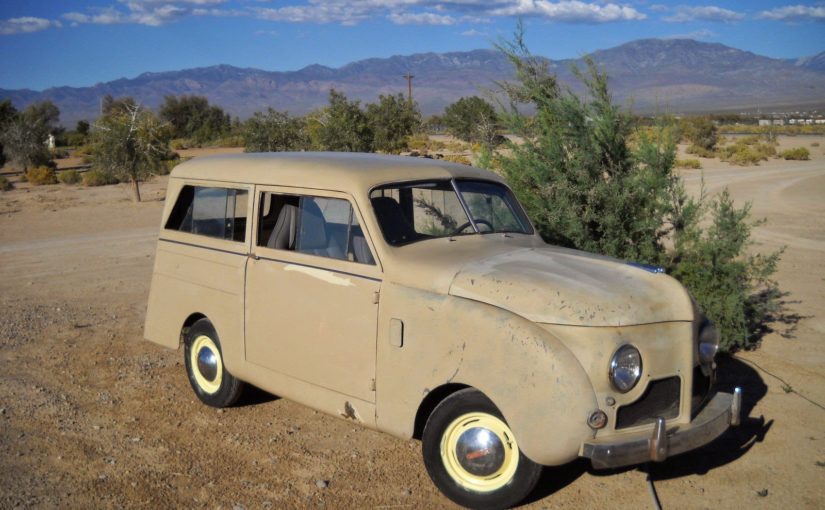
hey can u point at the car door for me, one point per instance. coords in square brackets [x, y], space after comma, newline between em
[312, 288]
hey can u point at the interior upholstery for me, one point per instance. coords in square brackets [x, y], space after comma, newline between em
[283, 235]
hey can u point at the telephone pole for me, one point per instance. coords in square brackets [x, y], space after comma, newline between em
[409, 78]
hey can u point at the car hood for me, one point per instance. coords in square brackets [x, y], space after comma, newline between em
[560, 286]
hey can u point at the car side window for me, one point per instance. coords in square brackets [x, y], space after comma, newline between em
[211, 212]
[321, 226]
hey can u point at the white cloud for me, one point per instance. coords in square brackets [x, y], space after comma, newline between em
[570, 11]
[26, 24]
[473, 33]
[704, 13]
[344, 12]
[421, 18]
[795, 13]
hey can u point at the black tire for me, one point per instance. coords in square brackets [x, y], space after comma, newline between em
[220, 389]
[465, 411]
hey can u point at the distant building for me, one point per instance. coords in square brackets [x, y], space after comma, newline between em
[50, 142]
[764, 122]
[778, 122]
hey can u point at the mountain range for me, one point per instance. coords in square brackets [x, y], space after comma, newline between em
[674, 75]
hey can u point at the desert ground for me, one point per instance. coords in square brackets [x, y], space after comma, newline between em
[93, 416]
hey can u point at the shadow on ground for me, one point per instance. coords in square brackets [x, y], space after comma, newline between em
[732, 445]
[253, 396]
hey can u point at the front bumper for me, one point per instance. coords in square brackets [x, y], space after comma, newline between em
[722, 411]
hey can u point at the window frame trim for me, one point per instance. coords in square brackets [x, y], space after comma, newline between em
[215, 243]
[374, 271]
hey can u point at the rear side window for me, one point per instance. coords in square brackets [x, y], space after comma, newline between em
[211, 212]
[321, 226]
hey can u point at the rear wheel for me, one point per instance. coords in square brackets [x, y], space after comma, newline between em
[210, 380]
[472, 455]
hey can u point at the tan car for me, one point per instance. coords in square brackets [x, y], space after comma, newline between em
[414, 297]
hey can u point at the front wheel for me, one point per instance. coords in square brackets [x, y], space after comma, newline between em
[472, 455]
[213, 384]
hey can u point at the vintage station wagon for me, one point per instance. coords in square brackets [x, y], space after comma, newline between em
[414, 297]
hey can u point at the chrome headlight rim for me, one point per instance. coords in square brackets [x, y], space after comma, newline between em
[614, 368]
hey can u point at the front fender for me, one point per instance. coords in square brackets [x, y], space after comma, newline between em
[536, 382]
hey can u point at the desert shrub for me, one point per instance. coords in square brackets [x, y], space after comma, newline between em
[69, 177]
[700, 151]
[97, 177]
[5, 185]
[457, 158]
[585, 187]
[733, 287]
[230, 141]
[797, 153]
[179, 144]
[815, 144]
[701, 132]
[41, 175]
[422, 142]
[688, 163]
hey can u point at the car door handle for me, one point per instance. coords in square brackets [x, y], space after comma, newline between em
[253, 256]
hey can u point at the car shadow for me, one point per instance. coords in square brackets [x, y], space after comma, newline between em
[252, 396]
[730, 446]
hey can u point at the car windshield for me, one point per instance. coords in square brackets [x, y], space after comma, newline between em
[410, 212]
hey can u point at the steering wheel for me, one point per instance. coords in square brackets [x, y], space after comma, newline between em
[478, 221]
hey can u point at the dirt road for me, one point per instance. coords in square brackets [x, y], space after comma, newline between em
[93, 416]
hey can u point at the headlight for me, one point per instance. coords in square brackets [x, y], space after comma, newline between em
[708, 343]
[625, 368]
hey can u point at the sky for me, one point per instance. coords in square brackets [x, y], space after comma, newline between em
[46, 43]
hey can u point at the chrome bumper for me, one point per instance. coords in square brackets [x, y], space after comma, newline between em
[721, 412]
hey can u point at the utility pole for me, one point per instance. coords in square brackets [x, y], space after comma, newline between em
[409, 78]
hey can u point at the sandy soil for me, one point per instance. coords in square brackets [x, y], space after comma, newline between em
[93, 416]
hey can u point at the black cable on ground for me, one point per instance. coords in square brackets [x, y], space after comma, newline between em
[787, 387]
[652, 490]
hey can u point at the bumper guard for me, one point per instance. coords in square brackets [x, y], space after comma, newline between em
[722, 411]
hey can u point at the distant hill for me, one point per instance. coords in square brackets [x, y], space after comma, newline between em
[814, 63]
[653, 74]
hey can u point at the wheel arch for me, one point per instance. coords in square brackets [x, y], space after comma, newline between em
[192, 319]
[429, 403]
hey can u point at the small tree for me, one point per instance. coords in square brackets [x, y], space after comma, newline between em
[111, 105]
[193, 117]
[274, 131]
[472, 119]
[587, 187]
[130, 143]
[701, 132]
[25, 134]
[392, 119]
[343, 126]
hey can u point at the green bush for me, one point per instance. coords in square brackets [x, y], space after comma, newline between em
[586, 187]
[688, 163]
[40, 176]
[5, 185]
[733, 287]
[457, 158]
[700, 151]
[69, 177]
[179, 144]
[797, 153]
[96, 177]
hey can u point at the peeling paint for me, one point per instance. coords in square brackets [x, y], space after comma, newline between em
[320, 274]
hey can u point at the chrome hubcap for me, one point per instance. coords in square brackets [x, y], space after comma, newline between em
[480, 452]
[207, 364]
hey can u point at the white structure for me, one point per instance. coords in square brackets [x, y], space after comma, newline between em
[50, 142]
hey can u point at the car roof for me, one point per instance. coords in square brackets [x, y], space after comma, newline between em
[338, 171]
